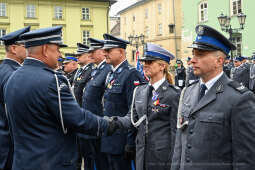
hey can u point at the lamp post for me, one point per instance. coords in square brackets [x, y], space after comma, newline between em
[136, 40]
[225, 23]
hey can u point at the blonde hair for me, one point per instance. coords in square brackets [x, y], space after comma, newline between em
[166, 72]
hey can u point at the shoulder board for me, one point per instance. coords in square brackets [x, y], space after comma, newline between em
[50, 70]
[174, 87]
[130, 67]
[238, 87]
[196, 81]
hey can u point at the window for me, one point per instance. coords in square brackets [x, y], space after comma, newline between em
[237, 40]
[85, 14]
[30, 11]
[2, 9]
[133, 18]
[85, 36]
[160, 29]
[236, 7]
[159, 9]
[147, 31]
[146, 12]
[58, 12]
[203, 11]
[2, 33]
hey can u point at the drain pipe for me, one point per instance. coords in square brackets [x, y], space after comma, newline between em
[175, 36]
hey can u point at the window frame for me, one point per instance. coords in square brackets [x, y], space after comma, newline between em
[159, 8]
[86, 15]
[237, 10]
[1, 34]
[85, 38]
[146, 13]
[238, 44]
[58, 12]
[3, 9]
[203, 12]
[160, 29]
[30, 11]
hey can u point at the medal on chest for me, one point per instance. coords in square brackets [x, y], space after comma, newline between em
[109, 86]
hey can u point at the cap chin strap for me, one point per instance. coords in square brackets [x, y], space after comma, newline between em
[59, 102]
[144, 117]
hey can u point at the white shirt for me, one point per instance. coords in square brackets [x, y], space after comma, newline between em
[211, 82]
[158, 83]
[115, 68]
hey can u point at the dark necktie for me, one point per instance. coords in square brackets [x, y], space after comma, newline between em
[150, 92]
[203, 88]
[109, 78]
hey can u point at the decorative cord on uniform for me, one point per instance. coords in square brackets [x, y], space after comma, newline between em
[60, 106]
[135, 124]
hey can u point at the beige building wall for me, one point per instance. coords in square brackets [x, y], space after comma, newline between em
[145, 18]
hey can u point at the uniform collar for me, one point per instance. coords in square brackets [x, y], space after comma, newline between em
[8, 60]
[99, 65]
[118, 66]
[33, 61]
[158, 83]
[211, 82]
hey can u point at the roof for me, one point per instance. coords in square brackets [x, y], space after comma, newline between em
[140, 2]
[111, 1]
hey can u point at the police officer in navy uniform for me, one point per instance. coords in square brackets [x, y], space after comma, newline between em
[43, 113]
[241, 72]
[190, 77]
[228, 65]
[83, 74]
[215, 128]
[120, 83]
[15, 55]
[180, 74]
[92, 100]
[154, 112]
[70, 67]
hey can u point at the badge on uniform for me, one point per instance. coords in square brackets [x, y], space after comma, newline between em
[136, 83]
[109, 86]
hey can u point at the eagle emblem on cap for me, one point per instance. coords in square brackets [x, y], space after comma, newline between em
[200, 30]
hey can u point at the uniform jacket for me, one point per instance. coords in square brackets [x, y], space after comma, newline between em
[190, 78]
[32, 101]
[6, 147]
[71, 76]
[180, 77]
[117, 101]
[80, 82]
[154, 149]
[94, 91]
[241, 74]
[227, 68]
[220, 131]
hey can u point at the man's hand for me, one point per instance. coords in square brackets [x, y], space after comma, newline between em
[114, 124]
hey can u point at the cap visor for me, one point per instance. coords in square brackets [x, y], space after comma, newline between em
[202, 47]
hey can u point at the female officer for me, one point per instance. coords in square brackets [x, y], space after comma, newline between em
[154, 112]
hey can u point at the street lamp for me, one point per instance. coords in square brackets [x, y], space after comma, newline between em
[225, 24]
[136, 40]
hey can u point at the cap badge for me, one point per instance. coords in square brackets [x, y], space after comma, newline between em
[200, 30]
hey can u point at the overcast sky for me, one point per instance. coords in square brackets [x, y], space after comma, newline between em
[121, 4]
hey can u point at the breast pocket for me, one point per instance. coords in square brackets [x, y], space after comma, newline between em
[211, 125]
[115, 94]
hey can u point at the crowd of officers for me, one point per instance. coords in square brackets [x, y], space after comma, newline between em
[93, 110]
[240, 69]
